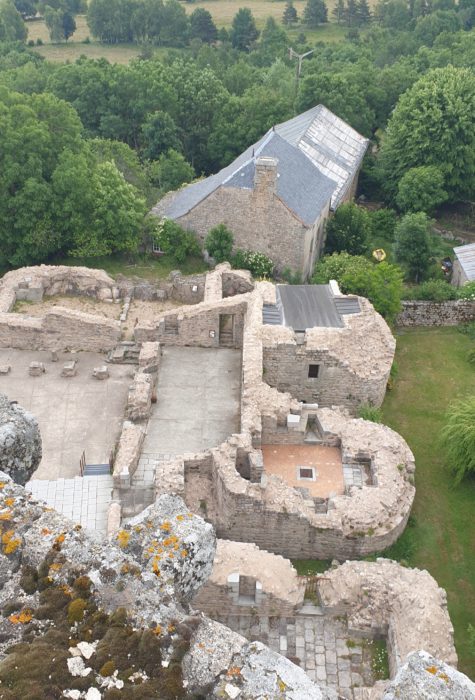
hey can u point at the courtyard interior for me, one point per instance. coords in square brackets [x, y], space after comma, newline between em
[75, 414]
[317, 468]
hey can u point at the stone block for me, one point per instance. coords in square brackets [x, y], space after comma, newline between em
[5, 369]
[69, 369]
[101, 372]
[36, 369]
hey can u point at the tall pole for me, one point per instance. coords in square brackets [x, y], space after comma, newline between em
[299, 57]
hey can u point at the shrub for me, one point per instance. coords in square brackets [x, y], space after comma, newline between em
[291, 277]
[257, 263]
[39, 42]
[421, 189]
[458, 438]
[467, 291]
[175, 241]
[219, 243]
[348, 230]
[432, 290]
[383, 222]
[371, 413]
[412, 244]
[31, 42]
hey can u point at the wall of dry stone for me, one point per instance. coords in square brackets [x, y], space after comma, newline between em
[436, 313]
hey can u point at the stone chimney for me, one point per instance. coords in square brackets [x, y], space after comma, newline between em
[265, 178]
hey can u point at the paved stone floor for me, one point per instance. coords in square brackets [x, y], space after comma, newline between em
[324, 462]
[318, 643]
[198, 401]
[84, 500]
[75, 413]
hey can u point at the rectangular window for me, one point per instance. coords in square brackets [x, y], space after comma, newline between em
[313, 371]
[306, 474]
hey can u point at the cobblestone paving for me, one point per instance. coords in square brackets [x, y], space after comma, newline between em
[145, 472]
[318, 643]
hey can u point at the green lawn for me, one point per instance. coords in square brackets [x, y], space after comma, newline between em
[433, 370]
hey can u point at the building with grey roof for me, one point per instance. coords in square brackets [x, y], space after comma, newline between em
[276, 196]
[464, 265]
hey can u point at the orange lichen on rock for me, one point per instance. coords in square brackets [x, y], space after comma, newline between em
[9, 502]
[21, 618]
[10, 543]
[123, 538]
[432, 669]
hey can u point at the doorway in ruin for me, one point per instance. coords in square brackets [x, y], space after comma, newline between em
[226, 330]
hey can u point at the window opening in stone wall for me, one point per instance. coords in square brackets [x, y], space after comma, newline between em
[306, 473]
[313, 371]
[247, 589]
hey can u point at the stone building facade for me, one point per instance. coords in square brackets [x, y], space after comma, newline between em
[277, 195]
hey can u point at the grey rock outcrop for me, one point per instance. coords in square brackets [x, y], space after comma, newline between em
[424, 677]
[20, 441]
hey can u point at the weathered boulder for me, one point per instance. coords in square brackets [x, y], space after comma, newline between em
[231, 667]
[20, 441]
[424, 677]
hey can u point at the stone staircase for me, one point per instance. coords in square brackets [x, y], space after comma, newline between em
[124, 353]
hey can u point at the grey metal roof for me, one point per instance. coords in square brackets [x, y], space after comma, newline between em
[466, 257]
[308, 305]
[331, 146]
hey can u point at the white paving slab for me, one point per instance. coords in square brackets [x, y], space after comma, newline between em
[83, 499]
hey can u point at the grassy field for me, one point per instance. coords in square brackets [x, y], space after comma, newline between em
[222, 11]
[433, 370]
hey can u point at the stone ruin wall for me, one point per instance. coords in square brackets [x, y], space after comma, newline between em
[355, 361]
[386, 599]
[436, 313]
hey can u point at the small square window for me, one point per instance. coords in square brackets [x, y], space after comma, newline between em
[306, 473]
[313, 371]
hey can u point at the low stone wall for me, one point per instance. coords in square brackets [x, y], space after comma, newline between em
[139, 399]
[436, 313]
[60, 329]
[128, 452]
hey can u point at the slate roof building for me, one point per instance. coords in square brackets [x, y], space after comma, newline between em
[276, 196]
[464, 265]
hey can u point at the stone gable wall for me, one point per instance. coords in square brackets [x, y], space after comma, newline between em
[436, 313]
[258, 220]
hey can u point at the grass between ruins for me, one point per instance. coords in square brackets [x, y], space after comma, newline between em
[433, 370]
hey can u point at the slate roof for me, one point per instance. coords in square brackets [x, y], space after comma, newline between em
[318, 155]
[302, 306]
[331, 145]
[466, 257]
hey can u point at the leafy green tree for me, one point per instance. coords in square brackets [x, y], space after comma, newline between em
[219, 243]
[421, 189]
[351, 13]
[243, 31]
[412, 244]
[175, 25]
[159, 134]
[175, 241]
[458, 438]
[170, 171]
[348, 230]
[273, 42]
[381, 283]
[202, 26]
[290, 14]
[383, 223]
[315, 13]
[27, 8]
[54, 22]
[393, 14]
[12, 27]
[429, 27]
[110, 20]
[434, 124]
